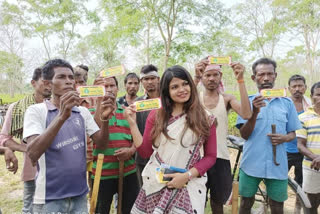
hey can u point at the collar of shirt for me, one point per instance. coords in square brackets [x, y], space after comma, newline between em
[52, 107]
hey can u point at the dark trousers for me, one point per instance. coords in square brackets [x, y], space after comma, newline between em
[140, 168]
[295, 159]
[110, 186]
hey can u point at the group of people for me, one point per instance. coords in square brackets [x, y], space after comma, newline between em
[61, 135]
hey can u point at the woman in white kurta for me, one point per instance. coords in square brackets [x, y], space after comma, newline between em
[180, 134]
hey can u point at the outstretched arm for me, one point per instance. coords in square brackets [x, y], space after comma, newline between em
[243, 108]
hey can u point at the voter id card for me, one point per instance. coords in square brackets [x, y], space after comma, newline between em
[269, 93]
[91, 91]
[113, 71]
[147, 105]
[220, 60]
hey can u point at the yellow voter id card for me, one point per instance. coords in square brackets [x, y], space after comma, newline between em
[113, 71]
[220, 60]
[91, 91]
[269, 93]
[146, 105]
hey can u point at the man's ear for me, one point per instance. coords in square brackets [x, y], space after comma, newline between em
[33, 82]
[253, 77]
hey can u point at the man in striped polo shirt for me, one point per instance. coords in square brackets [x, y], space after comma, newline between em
[309, 146]
[120, 148]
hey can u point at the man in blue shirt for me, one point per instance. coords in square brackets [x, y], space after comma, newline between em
[257, 162]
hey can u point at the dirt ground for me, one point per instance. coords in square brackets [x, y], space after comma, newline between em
[11, 191]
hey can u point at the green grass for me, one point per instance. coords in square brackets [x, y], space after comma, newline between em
[11, 187]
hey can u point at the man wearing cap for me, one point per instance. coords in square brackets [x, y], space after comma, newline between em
[150, 80]
[218, 104]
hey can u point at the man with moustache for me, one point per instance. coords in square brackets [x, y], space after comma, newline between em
[120, 148]
[150, 80]
[297, 88]
[131, 84]
[13, 128]
[218, 103]
[257, 160]
[55, 132]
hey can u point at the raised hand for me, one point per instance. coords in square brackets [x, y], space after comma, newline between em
[107, 106]
[238, 70]
[130, 114]
[99, 81]
[67, 102]
[200, 67]
[257, 103]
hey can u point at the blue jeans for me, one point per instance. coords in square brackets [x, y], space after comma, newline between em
[73, 205]
[28, 193]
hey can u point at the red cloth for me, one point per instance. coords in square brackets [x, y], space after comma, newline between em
[210, 147]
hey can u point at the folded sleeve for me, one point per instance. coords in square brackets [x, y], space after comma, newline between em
[34, 121]
[5, 130]
[302, 133]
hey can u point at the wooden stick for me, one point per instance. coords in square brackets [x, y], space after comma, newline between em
[274, 147]
[96, 184]
[235, 196]
[120, 186]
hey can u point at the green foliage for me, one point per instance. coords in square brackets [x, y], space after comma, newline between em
[44, 19]
[232, 119]
[306, 26]
[7, 99]
[11, 77]
[261, 22]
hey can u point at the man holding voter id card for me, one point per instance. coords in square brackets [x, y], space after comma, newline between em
[150, 80]
[274, 121]
[218, 103]
[120, 148]
[56, 132]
